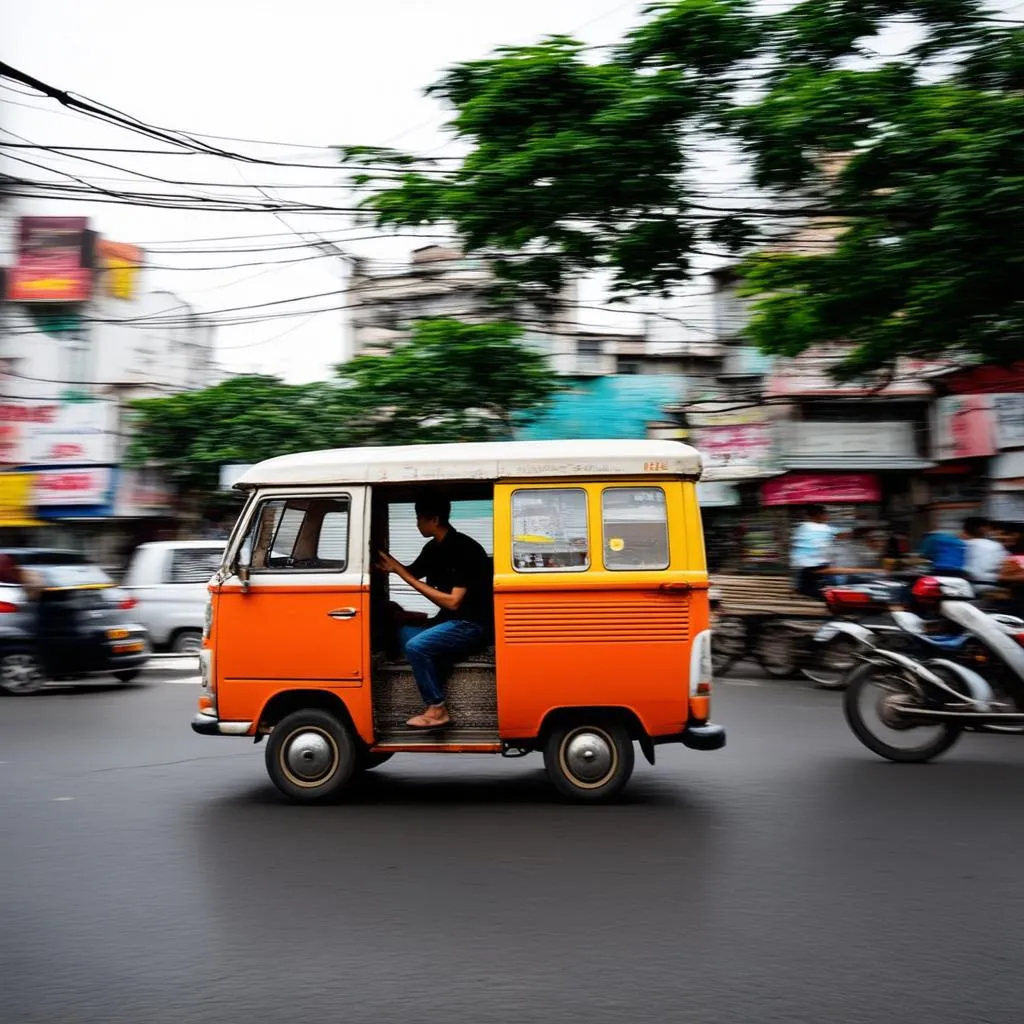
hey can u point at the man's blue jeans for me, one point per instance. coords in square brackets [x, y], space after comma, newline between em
[430, 649]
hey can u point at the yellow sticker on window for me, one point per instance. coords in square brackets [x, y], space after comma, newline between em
[616, 543]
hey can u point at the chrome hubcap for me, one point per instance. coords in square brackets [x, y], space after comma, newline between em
[588, 757]
[309, 757]
[21, 672]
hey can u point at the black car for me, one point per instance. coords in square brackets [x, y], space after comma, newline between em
[76, 625]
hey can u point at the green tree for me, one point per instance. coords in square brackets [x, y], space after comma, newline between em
[242, 420]
[578, 163]
[450, 382]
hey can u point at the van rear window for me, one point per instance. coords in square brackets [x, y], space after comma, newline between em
[634, 521]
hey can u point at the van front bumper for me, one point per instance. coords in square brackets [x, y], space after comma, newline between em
[206, 723]
[707, 736]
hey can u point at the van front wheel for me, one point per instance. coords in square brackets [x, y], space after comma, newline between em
[589, 763]
[310, 756]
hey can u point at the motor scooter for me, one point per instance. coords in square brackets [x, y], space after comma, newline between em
[875, 613]
[912, 709]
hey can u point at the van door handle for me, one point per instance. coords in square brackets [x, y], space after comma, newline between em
[343, 613]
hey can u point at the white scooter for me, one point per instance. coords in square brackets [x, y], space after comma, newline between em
[908, 708]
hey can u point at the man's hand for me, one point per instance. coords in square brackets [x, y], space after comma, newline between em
[388, 563]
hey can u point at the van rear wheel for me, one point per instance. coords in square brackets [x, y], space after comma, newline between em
[310, 756]
[589, 762]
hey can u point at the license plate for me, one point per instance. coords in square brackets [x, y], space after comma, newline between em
[825, 633]
[118, 634]
[134, 648]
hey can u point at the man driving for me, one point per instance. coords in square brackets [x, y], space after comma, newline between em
[454, 572]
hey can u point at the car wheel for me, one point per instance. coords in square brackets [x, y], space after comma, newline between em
[127, 675]
[588, 762]
[21, 673]
[187, 641]
[310, 756]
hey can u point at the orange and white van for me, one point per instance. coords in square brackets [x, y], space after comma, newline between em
[602, 636]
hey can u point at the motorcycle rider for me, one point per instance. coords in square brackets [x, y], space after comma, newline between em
[811, 551]
[985, 556]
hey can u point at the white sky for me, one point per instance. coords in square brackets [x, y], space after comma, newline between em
[310, 72]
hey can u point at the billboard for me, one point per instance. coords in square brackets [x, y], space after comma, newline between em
[121, 264]
[49, 261]
[49, 432]
[963, 427]
[822, 489]
[736, 452]
[64, 487]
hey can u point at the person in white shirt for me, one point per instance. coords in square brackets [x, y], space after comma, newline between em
[985, 556]
[811, 550]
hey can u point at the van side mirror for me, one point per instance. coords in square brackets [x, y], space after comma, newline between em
[244, 574]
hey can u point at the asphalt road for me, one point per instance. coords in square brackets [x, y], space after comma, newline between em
[151, 876]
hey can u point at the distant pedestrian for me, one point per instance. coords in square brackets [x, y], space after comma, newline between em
[985, 556]
[811, 551]
[946, 551]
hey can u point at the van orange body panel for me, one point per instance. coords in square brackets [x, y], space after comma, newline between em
[595, 647]
[277, 638]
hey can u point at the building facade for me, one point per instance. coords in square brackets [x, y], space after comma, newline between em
[80, 339]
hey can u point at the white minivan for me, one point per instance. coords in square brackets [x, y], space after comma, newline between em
[168, 581]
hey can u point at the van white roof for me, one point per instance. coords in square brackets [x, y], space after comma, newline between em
[497, 460]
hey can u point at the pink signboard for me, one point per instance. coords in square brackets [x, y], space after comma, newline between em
[822, 489]
[736, 447]
[964, 427]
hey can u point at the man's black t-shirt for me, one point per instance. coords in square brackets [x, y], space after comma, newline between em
[459, 561]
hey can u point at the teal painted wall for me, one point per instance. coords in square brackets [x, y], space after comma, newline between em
[608, 407]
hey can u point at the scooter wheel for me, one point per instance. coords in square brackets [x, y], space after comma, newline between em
[831, 662]
[871, 705]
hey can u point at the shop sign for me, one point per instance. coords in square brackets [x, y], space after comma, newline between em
[49, 266]
[963, 427]
[16, 500]
[1008, 466]
[736, 452]
[835, 440]
[713, 494]
[73, 486]
[142, 492]
[822, 489]
[707, 415]
[122, 265]
[1009, 415]
[809, 375]
[54, 432]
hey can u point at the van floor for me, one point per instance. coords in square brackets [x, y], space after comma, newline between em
[471, 697]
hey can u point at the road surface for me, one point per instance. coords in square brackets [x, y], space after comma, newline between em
[151, 876]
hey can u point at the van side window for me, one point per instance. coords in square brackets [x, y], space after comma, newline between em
[292, 534]
[549, 530]
[634, 522]
[193, 565]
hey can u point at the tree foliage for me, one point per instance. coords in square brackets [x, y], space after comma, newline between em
[579, 162]
[450, 382]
